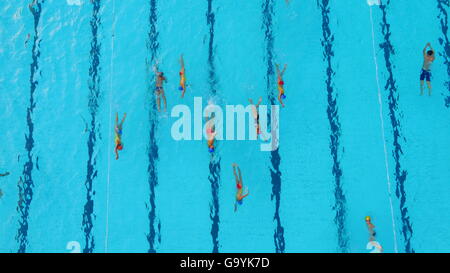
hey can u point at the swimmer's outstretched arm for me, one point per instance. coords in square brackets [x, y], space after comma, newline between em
[240, 175]
[182, 62]
[123, 119]
[243, 196]
[259, 101]
[155, 68]
[284, 70]
[235, 174]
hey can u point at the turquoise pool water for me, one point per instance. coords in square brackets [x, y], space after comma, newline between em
[355, 137]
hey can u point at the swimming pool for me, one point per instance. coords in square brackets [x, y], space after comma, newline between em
[355, 137]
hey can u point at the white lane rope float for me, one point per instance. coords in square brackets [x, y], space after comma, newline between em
[380, 102]
[110, 122]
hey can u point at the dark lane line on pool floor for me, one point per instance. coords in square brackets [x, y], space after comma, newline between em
[153, 46]
[395, 113]
[443, 18]
[335, 126]
[275, 159]
[26, 183]
[94, 95]
[214, 163]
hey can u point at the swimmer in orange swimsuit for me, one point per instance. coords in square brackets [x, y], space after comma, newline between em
[118, 136]
[211, 133]
[280, 81]
[182, 78]
[255, 113]
[239, 184]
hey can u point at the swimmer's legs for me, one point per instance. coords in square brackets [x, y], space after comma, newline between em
[421, 88]
[429, 88]
[164, 100]
[158, 103]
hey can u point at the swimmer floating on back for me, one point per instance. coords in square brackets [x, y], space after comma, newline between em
[428, 58]
[371, 228]
[372, 234]
[159, 90]
[182, 78]
[281, 95]
[239, 184]
[118, 138]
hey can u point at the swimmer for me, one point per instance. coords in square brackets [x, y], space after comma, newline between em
[255, 113]
[159, 90]
[281, 95]
[211, 133]
[428, 58]
[1, 193]
[239, 184]
[118, 138]
[371, 228]
[28, 38]
[31, 6]
[182, 78]
[4, 174]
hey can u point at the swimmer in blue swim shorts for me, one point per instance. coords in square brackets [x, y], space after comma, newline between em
[428, 58]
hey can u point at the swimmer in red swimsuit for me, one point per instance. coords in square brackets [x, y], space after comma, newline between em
[239, 195]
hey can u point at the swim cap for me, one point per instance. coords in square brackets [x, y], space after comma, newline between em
[120, 147]
[180, 88]
[283, 96]
[181, 73]
[281, 82]
[367, 218]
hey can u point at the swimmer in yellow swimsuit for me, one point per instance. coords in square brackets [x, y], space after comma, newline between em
[182, 78]
[280, 81]
[239, 184]
[118, 137]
